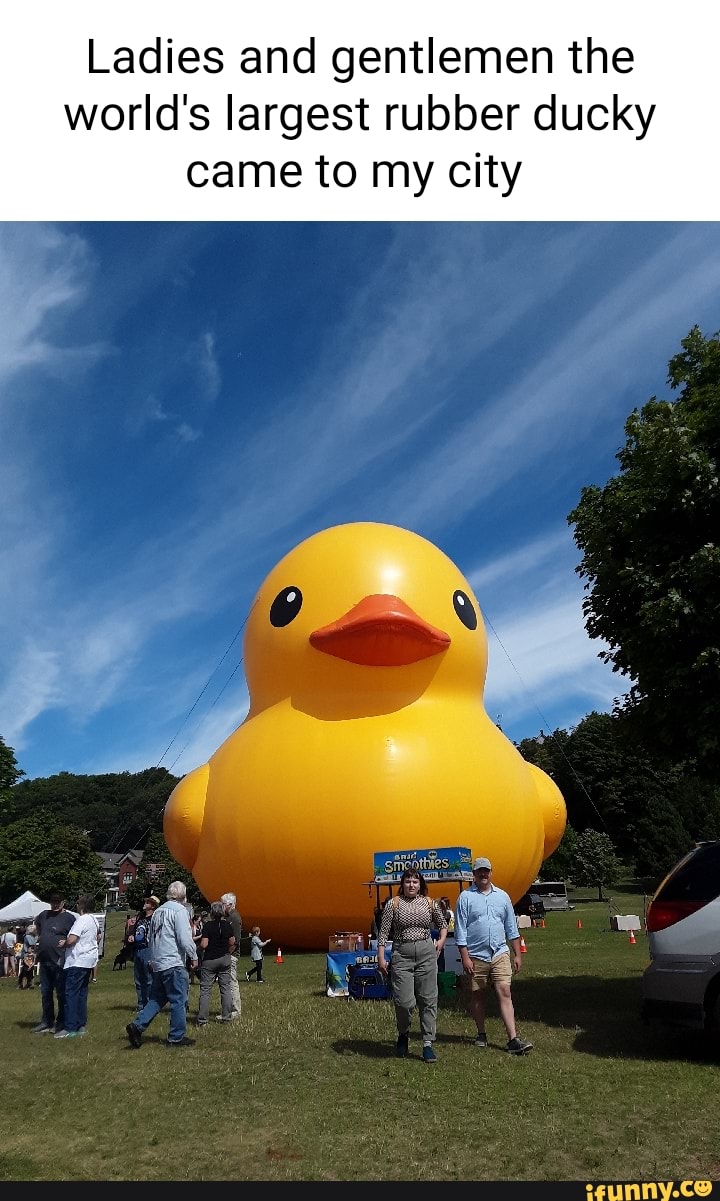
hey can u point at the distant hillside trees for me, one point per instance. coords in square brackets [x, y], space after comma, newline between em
[116, 810]
[42, 854]
[649, 540]
[653, 811]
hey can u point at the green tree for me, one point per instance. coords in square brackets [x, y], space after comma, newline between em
[146, 883]
[10, 773]
[653, 810]
[41, 854]
[595, 862]
[652, 562]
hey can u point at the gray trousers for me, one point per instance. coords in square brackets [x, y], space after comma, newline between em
[236, 1002]
[210, 971]
[413, 977]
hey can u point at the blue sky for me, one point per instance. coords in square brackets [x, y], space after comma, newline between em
[180, 404]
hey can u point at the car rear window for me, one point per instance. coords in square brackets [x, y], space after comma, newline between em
[697, 878]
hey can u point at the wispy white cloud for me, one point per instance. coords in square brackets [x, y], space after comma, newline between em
[537, 553]
[186, 433]
[193, 744]
[43, 271]
[208, 366]
[353, 436]
[562, 398]
[381, 385]
[543, 655]
[32, 685]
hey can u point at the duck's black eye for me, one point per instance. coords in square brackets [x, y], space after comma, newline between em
[464, 608]
[285, 607]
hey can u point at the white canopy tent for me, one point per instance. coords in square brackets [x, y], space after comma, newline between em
[24, 909]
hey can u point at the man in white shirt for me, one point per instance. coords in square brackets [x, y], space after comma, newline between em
[81, 956]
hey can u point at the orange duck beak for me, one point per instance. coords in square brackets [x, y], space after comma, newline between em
[380, 631]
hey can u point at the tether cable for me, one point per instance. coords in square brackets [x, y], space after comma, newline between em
[544, 720]
[117, 839]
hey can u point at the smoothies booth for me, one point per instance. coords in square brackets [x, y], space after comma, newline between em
[351, 970]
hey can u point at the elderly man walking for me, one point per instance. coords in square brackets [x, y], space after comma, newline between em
[171, 945]
[229, 900]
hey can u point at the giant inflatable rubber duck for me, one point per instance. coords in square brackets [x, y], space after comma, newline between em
[365, 656]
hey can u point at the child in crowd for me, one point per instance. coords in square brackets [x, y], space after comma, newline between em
[256, 954]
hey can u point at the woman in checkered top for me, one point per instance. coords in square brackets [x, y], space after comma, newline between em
[407, 921]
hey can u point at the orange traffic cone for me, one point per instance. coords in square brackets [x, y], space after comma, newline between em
[633, 939]
[579, 924]
[523, 948]
[278, 957]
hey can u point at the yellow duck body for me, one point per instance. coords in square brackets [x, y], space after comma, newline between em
[366, 732]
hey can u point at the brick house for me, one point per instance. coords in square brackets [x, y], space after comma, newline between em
[120, 870]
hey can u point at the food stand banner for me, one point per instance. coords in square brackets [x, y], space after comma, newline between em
[442, 863]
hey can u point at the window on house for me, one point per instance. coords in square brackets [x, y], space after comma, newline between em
[128, 878]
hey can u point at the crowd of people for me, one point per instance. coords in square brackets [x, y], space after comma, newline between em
[18, 954]
[169, 946]
[177, 946]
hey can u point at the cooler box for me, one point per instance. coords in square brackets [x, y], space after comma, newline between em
[367, 984]
[446, 983]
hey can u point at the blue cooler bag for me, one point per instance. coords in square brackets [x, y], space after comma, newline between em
[367, 984]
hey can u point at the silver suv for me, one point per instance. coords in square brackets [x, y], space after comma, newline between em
[682, 984]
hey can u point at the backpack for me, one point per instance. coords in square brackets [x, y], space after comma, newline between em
[140, 934]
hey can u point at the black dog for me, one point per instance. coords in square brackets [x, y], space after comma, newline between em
[120, 960]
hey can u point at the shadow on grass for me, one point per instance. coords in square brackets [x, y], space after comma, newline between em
[605, 1014]
[385, 1049]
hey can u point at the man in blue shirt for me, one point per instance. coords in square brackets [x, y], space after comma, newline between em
[484, 925]
[171, 945]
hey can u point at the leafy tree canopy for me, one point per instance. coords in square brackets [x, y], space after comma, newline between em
[116, 810]
[651, 559]
[41, 854]
[613, 781]
[10, 773]
[595, 862]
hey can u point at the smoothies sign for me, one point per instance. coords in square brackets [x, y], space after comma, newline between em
[444, 863]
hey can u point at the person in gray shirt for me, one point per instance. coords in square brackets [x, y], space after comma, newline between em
[171, 944]
[53, 926]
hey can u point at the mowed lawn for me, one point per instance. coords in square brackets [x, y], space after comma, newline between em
[305, 1087]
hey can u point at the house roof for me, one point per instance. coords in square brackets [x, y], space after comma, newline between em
[110, 860]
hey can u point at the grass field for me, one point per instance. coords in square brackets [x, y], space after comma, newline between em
[305, 1087]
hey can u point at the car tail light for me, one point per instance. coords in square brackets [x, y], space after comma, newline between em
[662, 914]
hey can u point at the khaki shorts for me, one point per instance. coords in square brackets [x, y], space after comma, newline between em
[497, 972]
